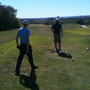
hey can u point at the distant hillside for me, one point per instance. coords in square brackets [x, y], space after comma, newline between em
[51, 20]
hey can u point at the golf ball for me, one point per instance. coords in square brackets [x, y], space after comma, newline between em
[87, 49]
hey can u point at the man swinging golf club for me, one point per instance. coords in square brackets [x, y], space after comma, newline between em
[57, 32]
[25, 47]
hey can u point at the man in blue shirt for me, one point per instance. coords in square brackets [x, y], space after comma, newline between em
[25, 47]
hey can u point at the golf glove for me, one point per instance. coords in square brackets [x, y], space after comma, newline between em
[18, 46]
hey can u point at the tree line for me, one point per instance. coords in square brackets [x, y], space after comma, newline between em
[83, 20]
[49, 21]
[8, 18]
[77, 19]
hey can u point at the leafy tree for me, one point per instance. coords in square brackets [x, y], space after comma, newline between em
[8, 18]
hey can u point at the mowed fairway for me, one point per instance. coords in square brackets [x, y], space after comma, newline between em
[54, 72]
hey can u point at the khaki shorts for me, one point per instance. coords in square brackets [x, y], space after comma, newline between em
[57, 38]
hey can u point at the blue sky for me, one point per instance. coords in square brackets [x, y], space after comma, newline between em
[49, 8]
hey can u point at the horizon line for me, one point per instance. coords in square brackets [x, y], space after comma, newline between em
[52, 17]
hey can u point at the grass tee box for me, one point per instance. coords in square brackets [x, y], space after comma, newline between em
[54, 72]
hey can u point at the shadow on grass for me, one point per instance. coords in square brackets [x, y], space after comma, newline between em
[29, 81]
[65, 55]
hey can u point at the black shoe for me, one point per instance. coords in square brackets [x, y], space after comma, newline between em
[57, 51]
[34, 67]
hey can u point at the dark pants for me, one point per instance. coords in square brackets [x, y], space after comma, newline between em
[23, 49]
[57, 41]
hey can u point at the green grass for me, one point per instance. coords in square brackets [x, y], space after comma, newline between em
[54, 72]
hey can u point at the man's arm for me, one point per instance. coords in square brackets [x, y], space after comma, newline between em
[27, 44]
[62, 32]
[17, 42]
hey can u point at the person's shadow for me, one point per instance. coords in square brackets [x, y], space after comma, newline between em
[65, 55]
[29, 81]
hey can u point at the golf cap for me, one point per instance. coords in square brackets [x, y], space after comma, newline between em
[57, 18]
[25, 22]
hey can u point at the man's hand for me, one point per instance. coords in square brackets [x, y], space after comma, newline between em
[18, 46]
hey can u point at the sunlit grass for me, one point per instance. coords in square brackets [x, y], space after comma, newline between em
[80, 31]
[54, 72]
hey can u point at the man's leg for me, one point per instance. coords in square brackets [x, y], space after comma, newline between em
[59, 46]
[30, 57]
[19, 61]
[55, 43]
[59, 43]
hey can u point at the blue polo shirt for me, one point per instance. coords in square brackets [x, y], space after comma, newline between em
[23, 33]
